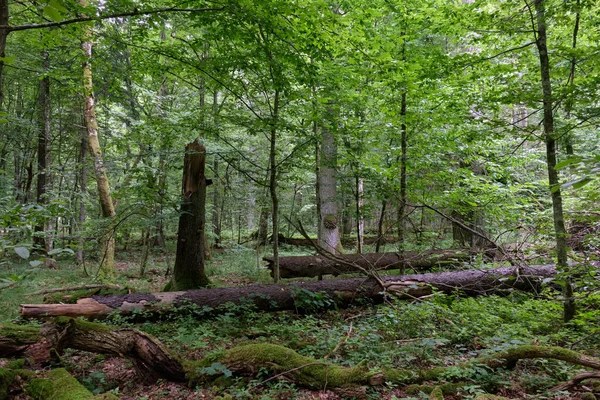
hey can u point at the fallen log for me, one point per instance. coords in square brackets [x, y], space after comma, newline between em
[311, 266]
[342, 292]
[250, 359]
[347, 241]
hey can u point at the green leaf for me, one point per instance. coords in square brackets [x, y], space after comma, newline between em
[22, 252]
[60, 250]
[35, 263]
[52, 12]
[565, 163]
[578, 183]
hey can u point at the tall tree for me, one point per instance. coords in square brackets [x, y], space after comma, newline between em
[107, 263]
[550, 140]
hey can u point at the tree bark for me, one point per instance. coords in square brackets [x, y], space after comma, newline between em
[82, 194]
[216, 223]
[553, 181]
[276, 297]
[360, 220]
[273, 189]
[188, 272]
[404, 149]
[311, 266]
[107, 265]
[43, 239]
[329, 226]
[4, 13]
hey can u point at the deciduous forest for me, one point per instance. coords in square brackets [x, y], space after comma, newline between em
[299, 199]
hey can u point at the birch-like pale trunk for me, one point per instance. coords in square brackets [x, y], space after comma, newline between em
[107, 241]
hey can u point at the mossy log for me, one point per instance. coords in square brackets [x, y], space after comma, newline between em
[150, 355]
[288, 296]
[311, 266]
[61, 385]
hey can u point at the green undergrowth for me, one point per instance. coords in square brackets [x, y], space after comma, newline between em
[444, 330]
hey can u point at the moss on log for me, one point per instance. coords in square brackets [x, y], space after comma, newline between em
[247, 360]
[61, 385]
[15, 339]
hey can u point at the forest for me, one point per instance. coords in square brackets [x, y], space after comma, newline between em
[299, 199]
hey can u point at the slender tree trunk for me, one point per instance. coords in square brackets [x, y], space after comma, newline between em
[216, 225]
[403, 146]
[82, 192]
[380, 233]
[553, 180]
[3, 34]
[43, 230]
[273, 188]
[159, 236]
[107, 265]
[360, 221]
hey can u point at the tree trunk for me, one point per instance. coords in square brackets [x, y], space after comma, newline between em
[329, 227]
[380, 234]
[553, 181]
[43, 239]
[276, 297]
[216, 225]
[273, 189]
[3, 34]
[188, 272]
[311, 266]
[403, 146]
[360, 221]
[82, 194]
[107, 265]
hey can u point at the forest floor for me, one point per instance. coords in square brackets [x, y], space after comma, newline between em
[440, 331]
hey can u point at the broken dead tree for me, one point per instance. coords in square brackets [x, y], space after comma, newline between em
[311, 266]
[288, 296]
[249, 359]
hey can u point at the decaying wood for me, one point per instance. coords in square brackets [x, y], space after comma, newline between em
[311, 266]
[151, 356]
[289, 296]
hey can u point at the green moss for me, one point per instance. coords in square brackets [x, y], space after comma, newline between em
[7, 376]
[60, 385]
[85, 325]
[16, 364]
[436, 394]
[20, 333]
[446, 388]
[70, 298]
[106, 396]
[278, 359]
[39, 388]
[588, 396]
